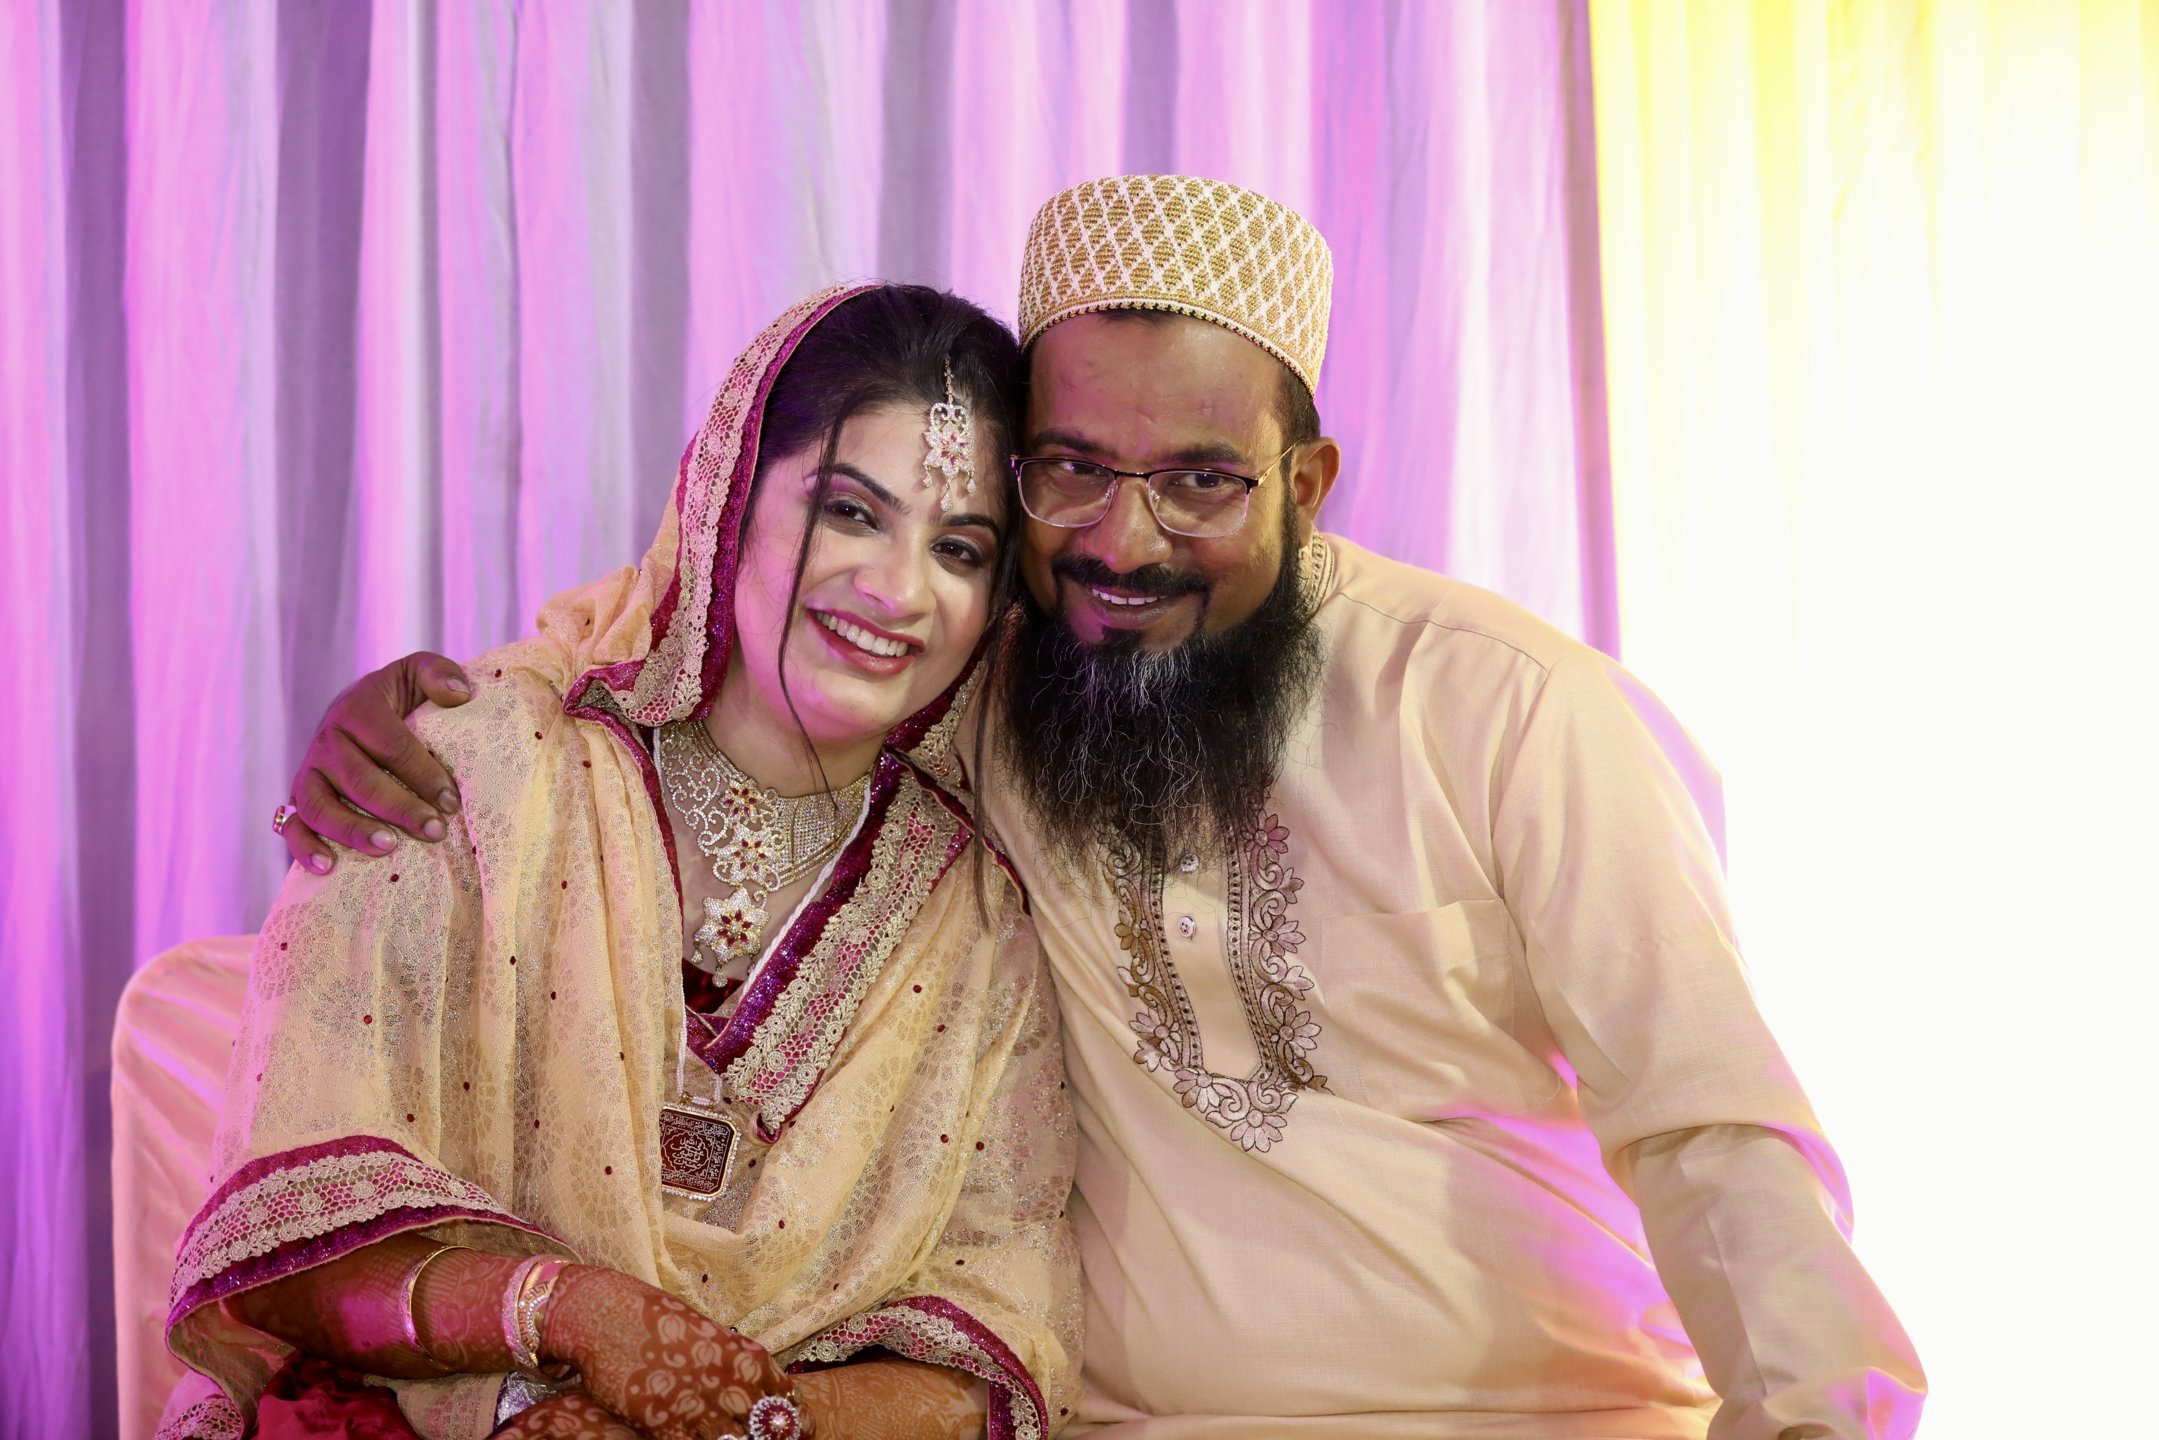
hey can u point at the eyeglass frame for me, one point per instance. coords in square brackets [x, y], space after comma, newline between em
[1117, 477]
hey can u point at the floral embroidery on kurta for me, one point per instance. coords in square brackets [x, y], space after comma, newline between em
[1259, 942]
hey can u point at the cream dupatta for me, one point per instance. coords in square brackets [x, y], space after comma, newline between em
[475, 1038]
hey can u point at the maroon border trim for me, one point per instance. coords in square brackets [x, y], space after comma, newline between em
[909, 732]
[970, 829]
[719, 620]
[1014, 1380]
[1018, 1379]
[722, 1049]
[297, 1255]
[719, 1047]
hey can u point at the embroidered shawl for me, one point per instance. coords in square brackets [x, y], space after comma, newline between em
[473, 1039]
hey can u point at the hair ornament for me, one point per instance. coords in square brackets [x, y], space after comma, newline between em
[952, 446]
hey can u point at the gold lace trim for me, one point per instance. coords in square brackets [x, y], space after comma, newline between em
[795, 1043]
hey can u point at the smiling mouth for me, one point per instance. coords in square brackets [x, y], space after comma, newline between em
[863, 639]
[1109, 599]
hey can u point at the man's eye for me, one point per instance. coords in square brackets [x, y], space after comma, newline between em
[1200, 482]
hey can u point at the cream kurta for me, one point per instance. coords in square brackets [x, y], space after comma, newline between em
[1362, 1111]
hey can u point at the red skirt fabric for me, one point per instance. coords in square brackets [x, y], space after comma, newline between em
[312, 1400]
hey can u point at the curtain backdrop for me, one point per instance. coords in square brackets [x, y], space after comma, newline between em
[333, 330]
[1883, 286]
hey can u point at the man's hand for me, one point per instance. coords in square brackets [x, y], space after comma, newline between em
[365, 772]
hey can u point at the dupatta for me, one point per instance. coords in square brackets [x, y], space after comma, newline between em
[474, 1039]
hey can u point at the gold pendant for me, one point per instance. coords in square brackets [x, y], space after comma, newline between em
[697, 1151]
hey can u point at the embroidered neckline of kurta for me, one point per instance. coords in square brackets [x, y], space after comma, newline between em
[1258, 942]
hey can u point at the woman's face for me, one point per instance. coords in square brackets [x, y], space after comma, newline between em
[894, 597]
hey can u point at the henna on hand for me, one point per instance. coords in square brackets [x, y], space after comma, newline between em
[893, 1399]
[575, 1416]
[349, 1310]
[457, 1311]
[653, 1360]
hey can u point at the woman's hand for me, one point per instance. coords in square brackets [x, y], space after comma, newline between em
[566, 1417]
[653, 1361]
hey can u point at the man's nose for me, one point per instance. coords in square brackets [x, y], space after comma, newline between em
[1127, 536]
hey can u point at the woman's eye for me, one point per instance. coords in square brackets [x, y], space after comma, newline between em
[963, 551]
[841, 507]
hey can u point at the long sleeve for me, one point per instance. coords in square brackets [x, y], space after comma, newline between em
[1614, 881]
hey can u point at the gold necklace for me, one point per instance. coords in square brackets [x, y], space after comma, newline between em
[757, 839]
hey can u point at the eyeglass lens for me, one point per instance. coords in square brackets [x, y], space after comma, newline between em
[1072, 493]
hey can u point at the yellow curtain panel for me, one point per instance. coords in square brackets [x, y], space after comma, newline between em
[1881, 288]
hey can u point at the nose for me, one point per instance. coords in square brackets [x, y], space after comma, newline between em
[896, 583]
[1126, 537]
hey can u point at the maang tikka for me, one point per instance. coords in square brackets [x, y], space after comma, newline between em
[952, 446]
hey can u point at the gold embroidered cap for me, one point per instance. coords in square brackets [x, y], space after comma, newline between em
[1184, 244]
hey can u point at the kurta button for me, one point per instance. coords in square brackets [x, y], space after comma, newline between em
[1189, 863]
[1186, 926]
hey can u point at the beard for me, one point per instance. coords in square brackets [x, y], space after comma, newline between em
[1156, 752]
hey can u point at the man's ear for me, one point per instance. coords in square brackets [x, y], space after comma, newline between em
[1310, 480]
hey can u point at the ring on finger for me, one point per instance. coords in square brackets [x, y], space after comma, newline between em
[775, 1417]
[281, 816]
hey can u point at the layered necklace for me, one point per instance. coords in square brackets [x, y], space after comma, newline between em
[758, 840]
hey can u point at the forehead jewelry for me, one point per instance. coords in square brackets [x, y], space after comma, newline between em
[952, 447]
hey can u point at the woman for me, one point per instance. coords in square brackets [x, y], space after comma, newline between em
[707, 991]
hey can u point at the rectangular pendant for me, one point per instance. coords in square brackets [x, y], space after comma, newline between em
[697, 1152]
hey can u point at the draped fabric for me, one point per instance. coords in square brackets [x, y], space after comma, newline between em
[1882, 281]
[392, 1047]
[318, 319]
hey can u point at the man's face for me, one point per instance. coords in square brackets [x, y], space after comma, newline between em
[1144, 395]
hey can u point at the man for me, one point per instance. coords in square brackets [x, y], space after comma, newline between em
[1420, 1087]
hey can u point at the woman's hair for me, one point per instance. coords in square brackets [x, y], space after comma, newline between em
[890, 346]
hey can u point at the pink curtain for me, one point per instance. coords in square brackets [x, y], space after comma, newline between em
[328, 331]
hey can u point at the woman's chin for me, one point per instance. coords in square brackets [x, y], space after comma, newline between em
[848, 711]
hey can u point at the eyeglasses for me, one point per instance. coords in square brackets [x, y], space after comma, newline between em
[1073, 494]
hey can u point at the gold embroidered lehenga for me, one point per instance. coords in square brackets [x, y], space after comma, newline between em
[476, 1039]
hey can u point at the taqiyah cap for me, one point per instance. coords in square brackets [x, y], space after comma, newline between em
[1187, 245]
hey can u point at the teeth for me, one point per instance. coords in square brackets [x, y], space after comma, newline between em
[856, 635]
[1108, 599]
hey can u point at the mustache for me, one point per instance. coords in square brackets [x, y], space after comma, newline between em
[1147, 580]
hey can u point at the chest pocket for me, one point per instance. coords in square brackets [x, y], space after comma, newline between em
[1433, 1005]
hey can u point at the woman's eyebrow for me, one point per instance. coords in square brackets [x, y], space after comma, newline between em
[883, 496]
[886, 497]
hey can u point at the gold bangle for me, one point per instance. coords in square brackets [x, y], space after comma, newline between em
[411, 1284]
[521, 1358]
